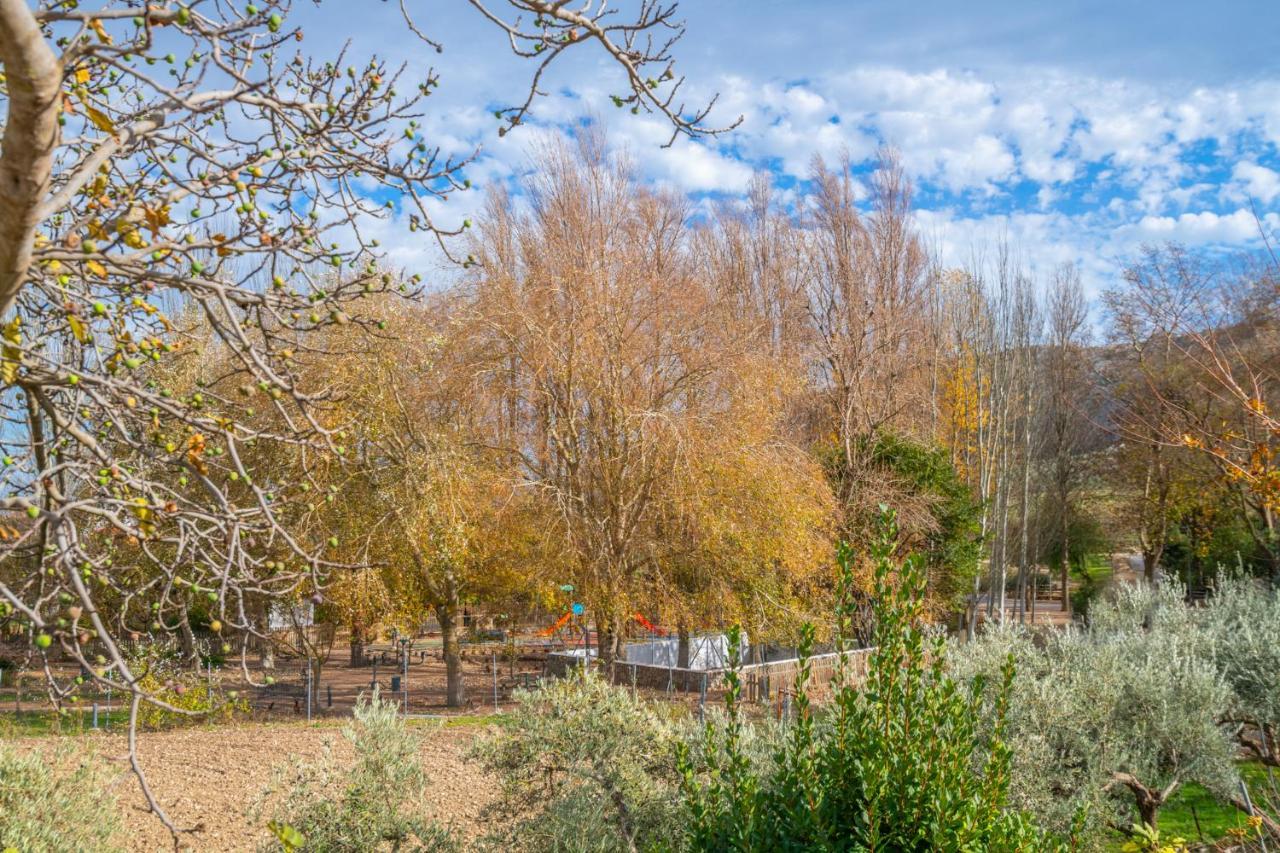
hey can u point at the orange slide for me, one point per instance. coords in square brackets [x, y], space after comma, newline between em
[647, 625]
[639, 617]
[560, 623]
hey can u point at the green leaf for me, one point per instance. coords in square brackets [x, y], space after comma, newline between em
[288, 837]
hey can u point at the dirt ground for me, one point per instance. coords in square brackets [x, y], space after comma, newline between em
[341, 684]
[210, 777]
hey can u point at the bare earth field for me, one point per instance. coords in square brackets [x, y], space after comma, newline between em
[211, 776]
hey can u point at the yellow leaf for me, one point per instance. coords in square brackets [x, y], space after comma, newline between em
[99, 119]
[96, 268]
[12, 351]
[157, 218]
[82, 75]
[78, 328]
[97, 27]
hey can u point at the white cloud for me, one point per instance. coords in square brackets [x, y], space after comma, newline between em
[1257, 181]
[1204, 227]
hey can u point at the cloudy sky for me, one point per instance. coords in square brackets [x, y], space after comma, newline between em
[1079, 130]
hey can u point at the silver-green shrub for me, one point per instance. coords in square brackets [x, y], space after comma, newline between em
[55, 801]
[377, 803]
[586, 767]
[1114, 717]
[1241, 627]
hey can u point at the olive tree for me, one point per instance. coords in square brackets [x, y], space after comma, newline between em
[586, 766]
[1114, 718]
[1242, 622]
[179, 172]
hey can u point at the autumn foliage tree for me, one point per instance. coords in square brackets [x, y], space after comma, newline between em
[622, 382]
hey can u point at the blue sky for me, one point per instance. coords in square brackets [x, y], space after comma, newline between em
[1079, 130]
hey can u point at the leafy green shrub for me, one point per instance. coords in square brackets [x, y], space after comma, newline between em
[900, 763]
[163, 675]
[376, 804]
[54, 802]
[946, 530]
[585, 766]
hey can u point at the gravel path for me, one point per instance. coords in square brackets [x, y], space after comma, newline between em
[211, 776]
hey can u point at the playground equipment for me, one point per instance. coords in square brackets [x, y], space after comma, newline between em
[647, 625]
[577, 611]
[560, 623]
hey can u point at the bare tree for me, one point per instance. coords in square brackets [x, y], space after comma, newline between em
[174, 175]
[1067, 423]
[1205, 340]
[866, 281]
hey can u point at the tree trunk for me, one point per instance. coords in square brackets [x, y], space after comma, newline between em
[187, 641]
[455, 686]
[359, 637]
[1149, 811]
[1023, 515]
[34, 79]
[606, 644]
[682, 647]
[1150, 562]
[1147, 800]
[317, 667]
[266, 648]
[357, 650]
[1066, 565]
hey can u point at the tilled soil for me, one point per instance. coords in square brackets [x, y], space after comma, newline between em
[210, 777]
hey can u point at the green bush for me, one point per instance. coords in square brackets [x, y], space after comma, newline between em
[164, 675]
[947, 532]
[585, 767]
[903, 762]
[376, 804]
[55, 802]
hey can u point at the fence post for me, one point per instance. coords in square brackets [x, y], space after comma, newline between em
[496, 710]
[633, 681]
[702, 699]
[329, 687]
[95, 715]
[307, 687]
[404, 686]
[107, 721]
